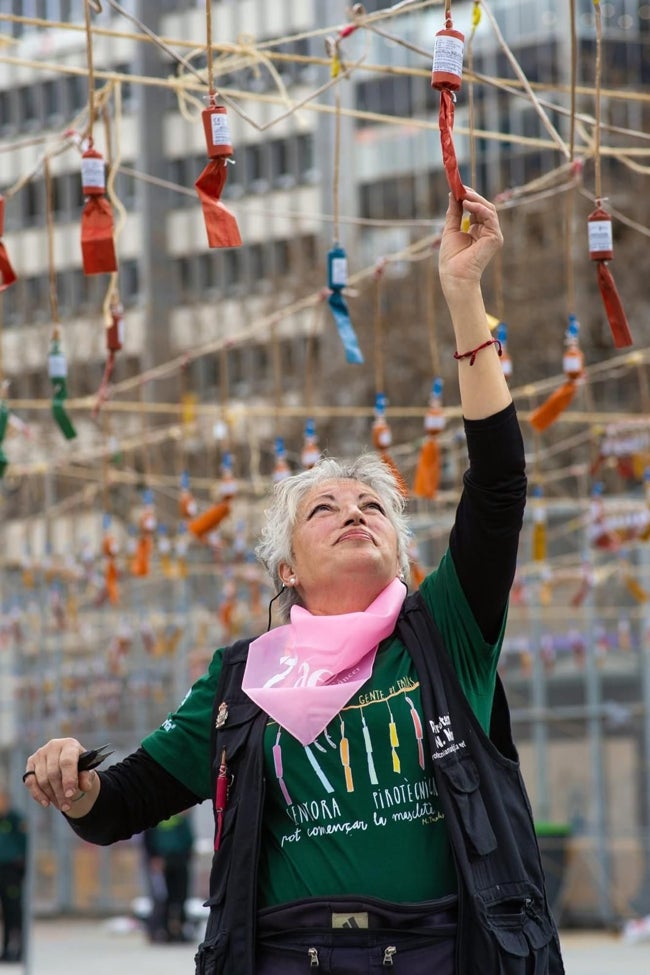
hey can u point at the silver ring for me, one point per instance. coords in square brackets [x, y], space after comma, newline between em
[30, 771]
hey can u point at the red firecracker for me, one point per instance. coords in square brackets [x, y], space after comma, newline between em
[114, 333]
[7, 273]
[220, 223]
[97, 244]
[601, 250]
[447, 77]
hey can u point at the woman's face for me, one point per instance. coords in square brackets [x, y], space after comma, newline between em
[344, 547]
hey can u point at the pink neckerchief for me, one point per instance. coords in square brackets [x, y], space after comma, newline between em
[303, 673]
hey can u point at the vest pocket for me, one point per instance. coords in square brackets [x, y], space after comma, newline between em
[463, 780]
[211, 954]
[513, 914]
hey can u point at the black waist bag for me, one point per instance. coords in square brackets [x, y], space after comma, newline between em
[505, 925]
[342, 934]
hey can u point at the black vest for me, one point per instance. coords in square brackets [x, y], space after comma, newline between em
[505, 924]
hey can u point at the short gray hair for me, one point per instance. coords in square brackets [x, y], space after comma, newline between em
[275, 544]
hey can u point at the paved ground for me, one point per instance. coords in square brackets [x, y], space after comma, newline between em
[117, 947]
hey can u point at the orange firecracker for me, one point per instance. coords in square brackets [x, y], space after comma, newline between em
[147, 525]
[281, 468]
[187, 505]
[382, 439]
[206, 522]
[110, 550]
[573, 365]
[539, 525]
[310, 450]
[427, 474]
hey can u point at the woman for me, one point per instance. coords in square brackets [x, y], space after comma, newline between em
[363, 818]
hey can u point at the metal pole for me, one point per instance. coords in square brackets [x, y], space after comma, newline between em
[540, 725]
[593, 698]
[642, 898]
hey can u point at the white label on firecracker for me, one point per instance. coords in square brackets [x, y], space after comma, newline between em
[572, 363]
[385, 438]
[434, 422]
[57, 366]
[448, 54]
[339, 272]
[600, 235]
[119, 324]
[220, 129]
[93, 173]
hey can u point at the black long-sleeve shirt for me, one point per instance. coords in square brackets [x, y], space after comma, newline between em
[138, 792]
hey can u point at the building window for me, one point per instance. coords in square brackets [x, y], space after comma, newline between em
[282, 165]
[52, 102]
[207, 272]
[125, 189]
[28, 107]
[232, 269]
[11, 303]
[281, 258]
[37, 299]
[6, 113]
[307, 171]
[77, 93]
[32, 196]
[256, 168]
[129, 282]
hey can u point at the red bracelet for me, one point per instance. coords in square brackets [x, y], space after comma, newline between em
[473, 352]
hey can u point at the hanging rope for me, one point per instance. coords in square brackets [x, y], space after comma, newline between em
[600, 223]
[337, 260]
[209, 51]
[49, 226]
[112, 309]
[96, 7]
[471, 101]
[380, 267]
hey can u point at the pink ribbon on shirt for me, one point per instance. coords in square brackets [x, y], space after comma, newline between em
[303, 673]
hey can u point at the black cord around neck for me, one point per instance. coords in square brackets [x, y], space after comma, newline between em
[277, 596]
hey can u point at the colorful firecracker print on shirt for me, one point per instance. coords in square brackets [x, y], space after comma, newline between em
[356, 811]
[342, 812]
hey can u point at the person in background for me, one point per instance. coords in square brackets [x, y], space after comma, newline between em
[13, 857]
[168, 849]
[365, 818]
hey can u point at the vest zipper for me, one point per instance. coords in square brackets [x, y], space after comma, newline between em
[388, 955]
[260, 722]
[313, 957]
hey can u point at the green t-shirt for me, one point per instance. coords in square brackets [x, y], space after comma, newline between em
[356, 811]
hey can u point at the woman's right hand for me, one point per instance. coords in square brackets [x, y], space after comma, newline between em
[54, 778]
